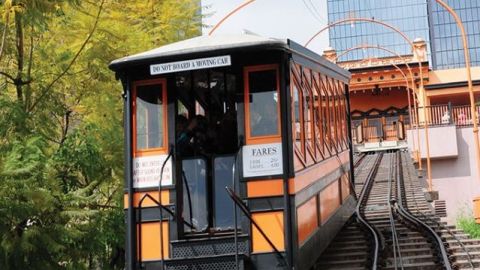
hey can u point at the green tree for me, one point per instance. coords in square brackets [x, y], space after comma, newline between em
[61, 135]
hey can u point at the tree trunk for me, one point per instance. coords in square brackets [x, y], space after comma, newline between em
[20, 56]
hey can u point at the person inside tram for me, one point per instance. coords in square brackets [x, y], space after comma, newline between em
[184, 132]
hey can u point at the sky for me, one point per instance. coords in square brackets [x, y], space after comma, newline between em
[297, 20]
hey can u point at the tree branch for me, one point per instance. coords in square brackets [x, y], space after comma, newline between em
[8, 76]
[49, 87]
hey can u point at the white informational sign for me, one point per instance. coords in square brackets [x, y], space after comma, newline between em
[262, 159]
[146, 171]
[210, 62]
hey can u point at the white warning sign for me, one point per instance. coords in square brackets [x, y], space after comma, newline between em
[146, 171]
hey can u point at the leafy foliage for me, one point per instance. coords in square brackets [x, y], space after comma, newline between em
[468, 225]
[61, 135]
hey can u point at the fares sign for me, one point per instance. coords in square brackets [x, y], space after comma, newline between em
[210, 62]
[262, 159]
[146, 171]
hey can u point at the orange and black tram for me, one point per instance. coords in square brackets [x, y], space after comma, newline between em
[237, 154]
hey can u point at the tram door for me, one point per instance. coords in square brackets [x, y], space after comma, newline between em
[206, 144]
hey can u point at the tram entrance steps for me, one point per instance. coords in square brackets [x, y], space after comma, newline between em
[208, 253]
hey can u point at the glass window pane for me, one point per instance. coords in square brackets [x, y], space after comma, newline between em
[223, 204]
[195, 193]
[263, 103]
[149, 116]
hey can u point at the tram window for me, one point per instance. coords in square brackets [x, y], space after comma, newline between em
[263, 103]
[195, 193]
[307, 109]
[149, 117]
[298, 110]
[296, 113]
[222, 204]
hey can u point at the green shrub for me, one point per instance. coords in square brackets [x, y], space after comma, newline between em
[468, 225]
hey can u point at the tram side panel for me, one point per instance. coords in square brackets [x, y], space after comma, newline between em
[320, 187]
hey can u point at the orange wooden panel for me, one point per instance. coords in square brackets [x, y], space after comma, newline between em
[150, 242]
[329, 200]
[147, 202]
[312, 174]
[272, 224]
[307, 219]
[345, 187]
[265, 188]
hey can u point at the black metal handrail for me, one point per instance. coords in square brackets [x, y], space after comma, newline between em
[162, 207]
[377, 238]
[235, 221]
[416, 221]
[189, 197]
[160, 201]
[246, 211]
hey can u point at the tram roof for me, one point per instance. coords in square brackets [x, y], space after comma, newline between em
[203, 44]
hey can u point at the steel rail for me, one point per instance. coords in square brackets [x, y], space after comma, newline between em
[436, 240]
[359, 160]
[391, 204]
[418, 212]
[363, 198]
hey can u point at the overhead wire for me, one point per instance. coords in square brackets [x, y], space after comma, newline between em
[312, 12]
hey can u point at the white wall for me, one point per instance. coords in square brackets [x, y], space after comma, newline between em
[454, 172]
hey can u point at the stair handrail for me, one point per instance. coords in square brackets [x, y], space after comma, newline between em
[162, 207]
[248, 214]
[185, 181]
[235, 222]
[169, 211]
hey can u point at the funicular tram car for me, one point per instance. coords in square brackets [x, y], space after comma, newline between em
[237, 154]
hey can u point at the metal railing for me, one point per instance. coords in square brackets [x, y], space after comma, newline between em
[161, 209]
[246, 212]
[441, 115]
[377, 133]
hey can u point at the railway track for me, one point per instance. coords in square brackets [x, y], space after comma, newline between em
[385, 234]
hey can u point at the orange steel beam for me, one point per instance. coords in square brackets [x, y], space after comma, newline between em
[469, 79]
[425, 126]
[367, 46]
[229, 15]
